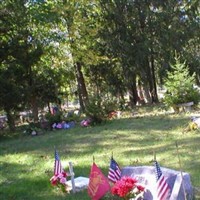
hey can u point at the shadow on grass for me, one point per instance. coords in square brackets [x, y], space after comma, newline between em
[145, 131]
[133, 140]
[16, 186]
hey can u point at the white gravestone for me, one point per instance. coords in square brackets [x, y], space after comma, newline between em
[147, 177]
[80, 183]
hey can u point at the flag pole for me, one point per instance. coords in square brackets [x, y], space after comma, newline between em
[93, 159]
[154, 156]
[180, 166]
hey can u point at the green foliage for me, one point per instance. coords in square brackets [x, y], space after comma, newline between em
[71, 116]
[180, 85]
[54, 118]
[32, 127]
[62, 116]
[98, 109]
[95, 111]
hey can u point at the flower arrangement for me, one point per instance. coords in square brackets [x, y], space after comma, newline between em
[60, 181]
[128, 188]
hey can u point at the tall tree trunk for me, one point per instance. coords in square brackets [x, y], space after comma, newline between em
[133, 95]
[154, 91]
[130, 80]
[49, 107]
[11, 120]
[82, 91]
[34, 105]
[151, 80]
[146, 94]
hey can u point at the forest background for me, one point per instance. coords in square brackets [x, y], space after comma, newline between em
[53, 52]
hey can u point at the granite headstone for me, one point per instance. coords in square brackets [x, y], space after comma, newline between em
[146, 176]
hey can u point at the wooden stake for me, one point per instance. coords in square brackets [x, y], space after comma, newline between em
[180, 166]
[71, 171]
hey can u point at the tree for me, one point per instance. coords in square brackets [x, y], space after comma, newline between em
[179, 85]
[177, 25]
[79, 19]
[30, 58]
[12, 33]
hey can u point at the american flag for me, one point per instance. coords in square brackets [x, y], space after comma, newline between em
[114, 173]
[57, 165]
[163, 188]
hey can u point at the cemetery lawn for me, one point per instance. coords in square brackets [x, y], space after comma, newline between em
[26, 162]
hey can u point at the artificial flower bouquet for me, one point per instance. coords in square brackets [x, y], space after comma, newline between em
[60, 180]
[128, 188]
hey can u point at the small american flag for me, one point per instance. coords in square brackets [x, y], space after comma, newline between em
[57, 165]
[114, 173]
[163, 188]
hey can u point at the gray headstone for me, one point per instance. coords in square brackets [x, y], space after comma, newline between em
[146, 176]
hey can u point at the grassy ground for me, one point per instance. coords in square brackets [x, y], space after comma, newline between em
[26, 162]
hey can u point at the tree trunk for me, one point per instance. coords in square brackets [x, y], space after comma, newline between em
[150, 73]
[11, 121]
[130, 81]
[49, 107]
[82, 91]
[146, 93]
[34, 106]
[154, 90]
[133, 92]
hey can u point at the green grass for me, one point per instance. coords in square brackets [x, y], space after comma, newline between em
[26, 162]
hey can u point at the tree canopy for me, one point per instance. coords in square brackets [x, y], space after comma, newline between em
[92, 48]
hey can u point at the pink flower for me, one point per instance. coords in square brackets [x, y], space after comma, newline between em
[63, 180]
[59, 178]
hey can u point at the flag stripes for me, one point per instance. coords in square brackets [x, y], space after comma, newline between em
[114, 173]
[57, 165]
[162, 186]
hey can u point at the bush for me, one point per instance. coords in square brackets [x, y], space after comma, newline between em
[73, 115]
[94, 111]
[98, 109]
[54, 118]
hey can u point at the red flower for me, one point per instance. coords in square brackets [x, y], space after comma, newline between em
[54, 182]
[125, 188]
[140, 188]
[64, 174]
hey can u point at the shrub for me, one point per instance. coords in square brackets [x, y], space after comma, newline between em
[98, 109]
[95, 111]
[54, 118]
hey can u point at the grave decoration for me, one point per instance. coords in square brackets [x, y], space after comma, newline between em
[86, 122]
[179, 183]
[128, 183]
[59, 177]
[114, 173]
[128, 188]
[193, 124]
[63, 125]
[98, 183]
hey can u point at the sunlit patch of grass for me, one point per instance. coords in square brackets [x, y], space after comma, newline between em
[26, 162]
